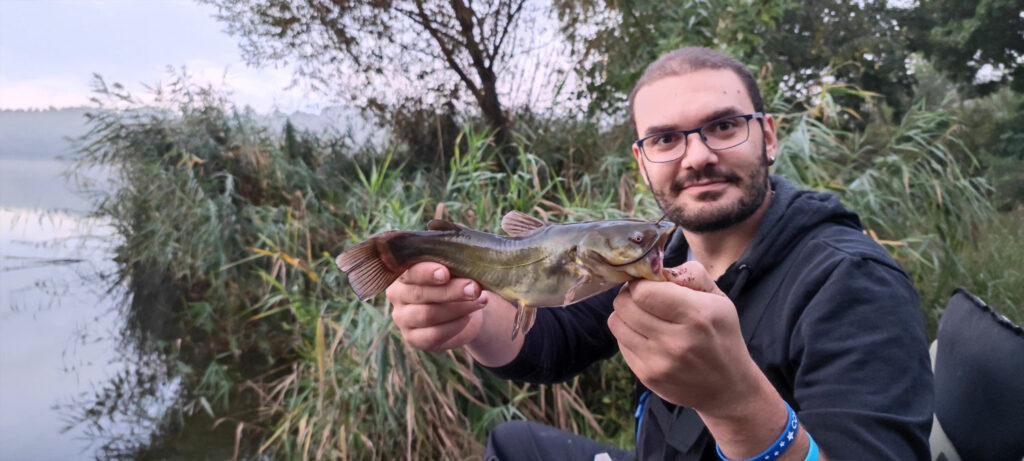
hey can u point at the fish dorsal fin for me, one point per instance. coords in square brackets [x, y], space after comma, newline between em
[517, 223]
[442, 225]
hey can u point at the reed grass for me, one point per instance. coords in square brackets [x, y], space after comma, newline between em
[229, 235]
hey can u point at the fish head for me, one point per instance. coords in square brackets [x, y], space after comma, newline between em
[619, 251]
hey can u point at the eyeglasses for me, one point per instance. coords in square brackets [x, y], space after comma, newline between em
[720, 134]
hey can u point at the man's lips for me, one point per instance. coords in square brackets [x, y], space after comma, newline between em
[706, 184]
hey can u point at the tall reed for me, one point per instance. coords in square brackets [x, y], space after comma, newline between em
[228, 232]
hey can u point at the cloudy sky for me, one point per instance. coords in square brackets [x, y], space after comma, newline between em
[49, 50]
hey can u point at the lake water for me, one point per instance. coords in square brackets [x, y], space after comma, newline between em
[59, 327]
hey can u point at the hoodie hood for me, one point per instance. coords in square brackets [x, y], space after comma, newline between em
[793, 213]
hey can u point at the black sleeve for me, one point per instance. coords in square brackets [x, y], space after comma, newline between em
[863, 382]
[564, 341]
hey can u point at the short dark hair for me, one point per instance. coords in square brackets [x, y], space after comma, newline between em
[693, 58]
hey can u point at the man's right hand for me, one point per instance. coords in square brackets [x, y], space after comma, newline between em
[435, 312]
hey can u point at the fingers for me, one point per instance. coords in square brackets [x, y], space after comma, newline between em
[446, 335]
[455, 291]
[634, 346]
[429, 315]
[694, 276]
[623, 332]
[426, 273]
[430, 283]
[632, 316]
[435, 311]
[633, 360]
[654, 306]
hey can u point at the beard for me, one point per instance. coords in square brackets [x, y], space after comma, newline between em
[754, 188]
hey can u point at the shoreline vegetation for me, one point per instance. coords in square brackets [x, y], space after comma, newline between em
[227, 231]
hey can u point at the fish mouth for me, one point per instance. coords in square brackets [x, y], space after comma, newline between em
[657, 257]
[657, 260]
[658, 249]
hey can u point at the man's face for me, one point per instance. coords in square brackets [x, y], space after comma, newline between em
[706, 190]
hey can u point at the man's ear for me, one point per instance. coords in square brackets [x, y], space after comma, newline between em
[639, 157]
[771, 140]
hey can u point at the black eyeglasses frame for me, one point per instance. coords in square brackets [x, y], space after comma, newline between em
[686, 133]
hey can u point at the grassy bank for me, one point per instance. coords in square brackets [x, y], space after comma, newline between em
[228, 233]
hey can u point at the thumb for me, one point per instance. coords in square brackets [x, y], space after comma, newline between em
[694, 276]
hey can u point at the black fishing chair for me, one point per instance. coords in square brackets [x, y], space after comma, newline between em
[978, 360]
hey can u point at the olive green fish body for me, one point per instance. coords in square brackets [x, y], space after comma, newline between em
[519, 269]
[538, 265]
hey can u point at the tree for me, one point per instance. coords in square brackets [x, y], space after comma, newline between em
[382, 53]
[861, 44]
[615, 40]
[788, 45]
[963, 37]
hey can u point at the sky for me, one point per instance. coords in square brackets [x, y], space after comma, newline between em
[49, 50]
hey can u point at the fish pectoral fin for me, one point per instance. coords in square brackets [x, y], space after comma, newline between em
[570, 296]
[525, 315]
[518, 224]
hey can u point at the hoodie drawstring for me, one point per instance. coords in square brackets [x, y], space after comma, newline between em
[741, 280]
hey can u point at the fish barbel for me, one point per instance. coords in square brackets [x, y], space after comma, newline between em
[538, 265]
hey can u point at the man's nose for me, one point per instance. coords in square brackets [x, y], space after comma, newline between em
[698, 155]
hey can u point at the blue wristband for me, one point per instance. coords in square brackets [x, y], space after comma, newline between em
[812, 451]
[781, 444]
[640, 408]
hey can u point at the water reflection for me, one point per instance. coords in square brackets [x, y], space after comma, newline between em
[73, 384]
[58, 328]
[76, 381]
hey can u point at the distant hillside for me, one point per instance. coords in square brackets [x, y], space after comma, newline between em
[39, 134]
[43, 134]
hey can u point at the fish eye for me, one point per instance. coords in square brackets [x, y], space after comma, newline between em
[637, 237]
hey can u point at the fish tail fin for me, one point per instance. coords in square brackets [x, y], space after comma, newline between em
[370, 266]
[525, 316]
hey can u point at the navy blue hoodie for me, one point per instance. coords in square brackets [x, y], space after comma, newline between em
[828, 316]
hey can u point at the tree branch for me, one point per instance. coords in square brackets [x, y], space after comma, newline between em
[464, 16]
[415, 17]
[508, 25]
[447, 52]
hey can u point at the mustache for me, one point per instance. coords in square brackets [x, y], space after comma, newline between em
[711, 173]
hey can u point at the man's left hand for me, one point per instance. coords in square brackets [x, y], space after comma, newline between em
[683, 341]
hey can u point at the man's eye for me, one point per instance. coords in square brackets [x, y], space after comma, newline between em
[724, 125]
[667, 138]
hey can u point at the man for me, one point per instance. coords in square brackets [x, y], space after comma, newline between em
[777, 300]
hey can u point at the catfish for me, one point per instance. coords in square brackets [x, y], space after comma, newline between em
[537, 265]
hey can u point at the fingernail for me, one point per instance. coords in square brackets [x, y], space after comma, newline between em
[482, 299]
[470, 291]
[439, 275]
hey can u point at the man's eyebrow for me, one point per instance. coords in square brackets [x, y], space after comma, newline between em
[721, 113]
[659, 129]
[715, 115]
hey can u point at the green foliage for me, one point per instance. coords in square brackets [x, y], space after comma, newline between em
[859, 44]
[788, 45]
[228, 232]
[616, 39]
[390, 55]
[993, 266]
[203, 190]
[795, 49]
[962, 37]
[990, 128]
[993, 129]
